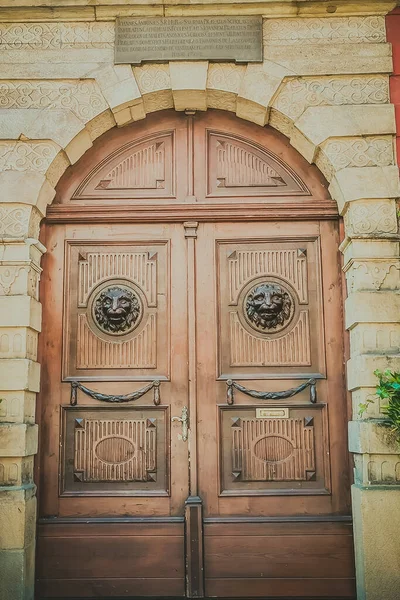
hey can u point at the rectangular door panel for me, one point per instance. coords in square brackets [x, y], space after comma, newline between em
[258, 344]
[100, 344]
[115, 451]
[130, 557]
[281, 455]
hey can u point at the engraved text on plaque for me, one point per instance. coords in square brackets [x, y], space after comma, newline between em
[181, 38]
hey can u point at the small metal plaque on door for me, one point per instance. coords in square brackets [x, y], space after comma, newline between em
[272, 413]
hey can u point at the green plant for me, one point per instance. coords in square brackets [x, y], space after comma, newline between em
[388, 389]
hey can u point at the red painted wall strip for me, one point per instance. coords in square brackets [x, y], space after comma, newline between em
[393, 36]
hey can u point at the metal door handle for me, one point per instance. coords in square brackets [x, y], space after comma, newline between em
[184, 419]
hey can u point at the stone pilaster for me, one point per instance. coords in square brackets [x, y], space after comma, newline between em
[20, 323]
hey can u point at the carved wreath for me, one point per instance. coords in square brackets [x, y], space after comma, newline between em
[268, 305]
[116, 310]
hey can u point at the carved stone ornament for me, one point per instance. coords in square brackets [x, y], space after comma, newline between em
[268, 306]
[117, 310]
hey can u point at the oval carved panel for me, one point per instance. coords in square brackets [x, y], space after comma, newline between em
[273, 448]
[115, 450]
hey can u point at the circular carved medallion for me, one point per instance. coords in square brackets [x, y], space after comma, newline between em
[116, 310]
[268, 307]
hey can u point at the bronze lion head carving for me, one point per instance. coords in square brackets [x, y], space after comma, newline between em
[268, 305]
[116, 310]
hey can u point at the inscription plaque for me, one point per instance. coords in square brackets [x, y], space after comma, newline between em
[236, 39]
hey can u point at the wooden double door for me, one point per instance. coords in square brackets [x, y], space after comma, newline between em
[193, 414]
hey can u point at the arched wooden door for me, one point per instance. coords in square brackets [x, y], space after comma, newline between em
[193, 411]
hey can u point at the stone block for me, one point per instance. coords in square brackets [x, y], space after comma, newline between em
[372, 338]
[371, 218]
[17, 407]
[376, 521]
[28, 187]
[261, 82]
[59, 165]
[122, 94]
[21, 250]
[351, 184]
[333, 30]
[318, 123]
[221, 100]
[100, 124]
[363, 396]
[17, 573]
[369, 248]
[251, 111]
[360, 368]
[373, 274]
[58, 125]
[19, 222]
[330, 59]
[18, 439]
[17, 517]
[371, 437]
[160, 100]
[123, 117]
[20, 311]
[19, 278]
[377, 469]
[225, 77]
[299, 93]
[152, 78]
[78, 146]
[372, 307]
[369, 151]
[188, 83]
[19, 374]
[18, 342]
[16, 471]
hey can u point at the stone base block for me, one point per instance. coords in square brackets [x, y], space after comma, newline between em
[376, 517]
[17, 574]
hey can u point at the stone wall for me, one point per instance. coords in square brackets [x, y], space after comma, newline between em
[324, 84]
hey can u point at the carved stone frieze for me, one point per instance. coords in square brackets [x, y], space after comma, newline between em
[152, 78]
[377, 469]
[371, 218]
[100, 124]
[14, 221]
[335, 30]
[55, 36]
[221, 100]
[83, 98]
[8, 277]
[18, 343]
[367, 151]
[225, 77]
[300, 93]
[268, 307]
[27, 156]
[373, 273]
[116, 310]
[367, 338]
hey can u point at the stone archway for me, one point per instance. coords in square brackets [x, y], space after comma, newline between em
[348, 136]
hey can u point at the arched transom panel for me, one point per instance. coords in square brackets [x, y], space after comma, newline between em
[173, 159]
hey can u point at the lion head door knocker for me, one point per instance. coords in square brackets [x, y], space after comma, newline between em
[268, 307]
[116, 310]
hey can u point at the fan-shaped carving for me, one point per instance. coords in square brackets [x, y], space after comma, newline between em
[144, 168]
[237, 167]
[141, 169]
